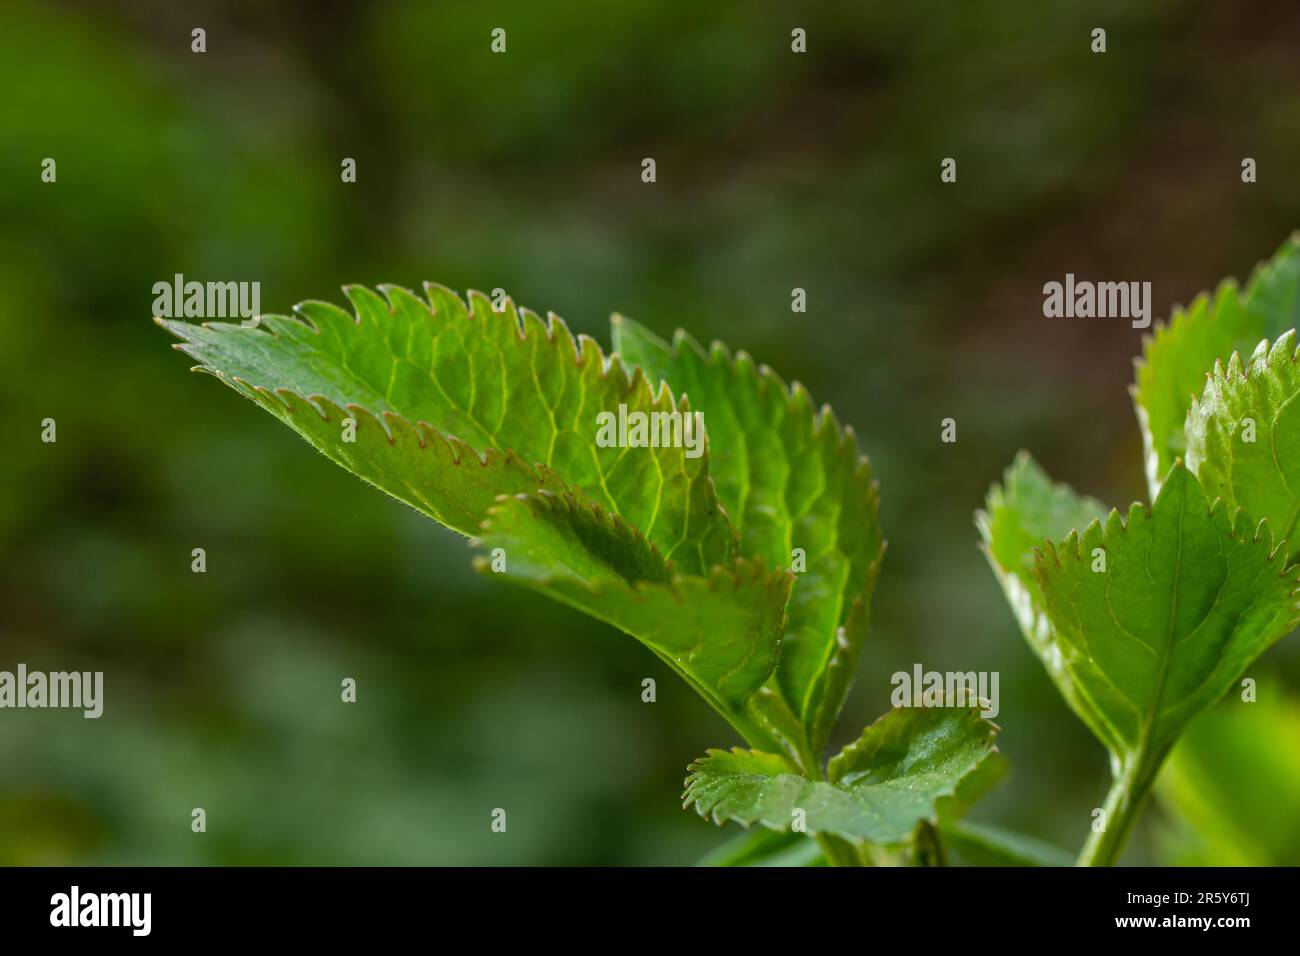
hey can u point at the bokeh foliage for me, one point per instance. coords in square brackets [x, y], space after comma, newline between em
[521, 171]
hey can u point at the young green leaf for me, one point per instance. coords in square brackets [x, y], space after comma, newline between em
[506, 402]
[973, 787]
[790, 478]
[1189, 596]
[1019, 517]
[1142, 624]
[1243, 434]
[722, 633]
[1178, 356]
[879, 787]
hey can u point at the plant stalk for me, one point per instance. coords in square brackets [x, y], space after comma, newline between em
[1123, 806]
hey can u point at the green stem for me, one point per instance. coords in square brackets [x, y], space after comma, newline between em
[1123, 807]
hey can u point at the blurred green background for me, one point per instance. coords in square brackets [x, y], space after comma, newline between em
[522, 171]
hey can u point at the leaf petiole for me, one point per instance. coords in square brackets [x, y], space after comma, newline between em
[1123, 806]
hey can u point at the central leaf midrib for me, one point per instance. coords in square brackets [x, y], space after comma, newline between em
[1153, 709]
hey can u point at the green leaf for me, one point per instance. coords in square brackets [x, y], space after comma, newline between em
[456, 406]
[1177, 358]
[1020, 516]
[789, 477]
[973, 787]
[1189, 597]
[879, 787]
[722, 633]
[1232, 785]
[979, 844]
[1243, 434]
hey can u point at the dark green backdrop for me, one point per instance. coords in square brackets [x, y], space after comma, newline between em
[521, 171]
